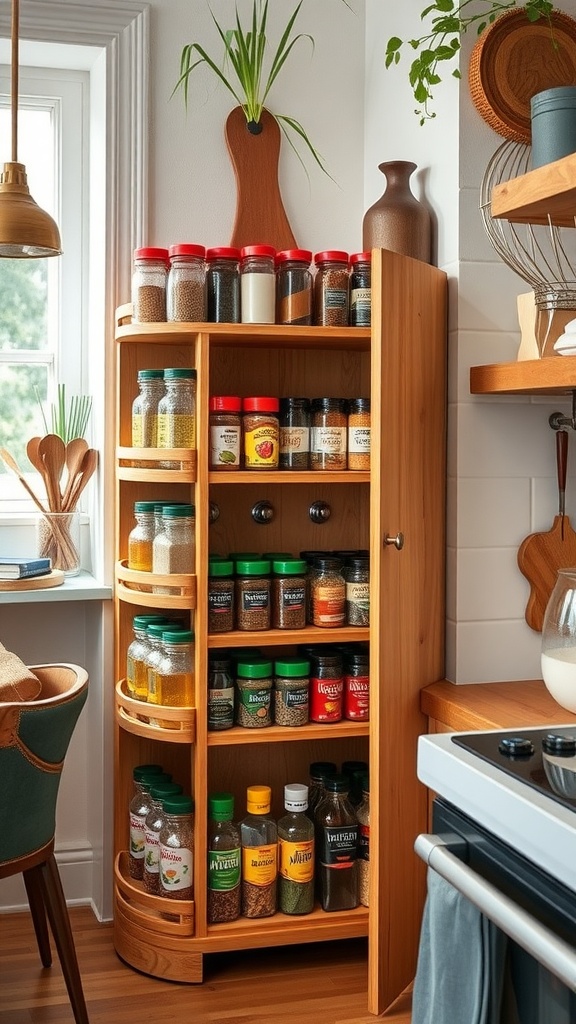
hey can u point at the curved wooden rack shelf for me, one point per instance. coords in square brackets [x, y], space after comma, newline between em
[287, 637]
[156, 914]
[136, 588]
[134, 716]
[143, 464]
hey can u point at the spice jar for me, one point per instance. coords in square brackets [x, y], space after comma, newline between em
[152, 826]
[154, 631]
[225, 432]
[186, 285]
[293, 287]
[173, 550]
[261, 432]
[174, 676]
[253, 603]
[138, 649]
[254, 683]
[357, 686]
[220, 596]
[357, 576]
[363, 815]
[291, 684]
[257, 284]
[220, 694]
[289, 594]
[337, 847]
[223, 285]
[224, 860]
[359, 433]
[177, 413]
[328, 434]
[326, 687]
[177, 848]
[331, 289]
[294, 433]
[140, 805]
[141, 537]
[318, 771]
[145, 408]
[360, 289]
[150, 271]
[295, 854]
[328, 590]
[259, 839]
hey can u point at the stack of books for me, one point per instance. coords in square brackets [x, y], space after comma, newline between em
[23, 568]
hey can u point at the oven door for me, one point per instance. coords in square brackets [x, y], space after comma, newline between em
[535, 911]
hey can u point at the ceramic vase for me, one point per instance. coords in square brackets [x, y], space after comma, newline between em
[398, 221]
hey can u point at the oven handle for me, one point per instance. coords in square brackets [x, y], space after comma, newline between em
[541, 943]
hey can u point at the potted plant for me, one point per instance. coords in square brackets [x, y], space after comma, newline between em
[440, 45]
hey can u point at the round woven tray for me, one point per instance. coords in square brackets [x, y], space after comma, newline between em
[512, 61]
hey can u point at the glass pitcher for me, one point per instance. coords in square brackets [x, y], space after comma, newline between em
[558, 657]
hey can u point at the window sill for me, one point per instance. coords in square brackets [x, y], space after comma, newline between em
[75, 588]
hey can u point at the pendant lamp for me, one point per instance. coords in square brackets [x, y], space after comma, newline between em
[26, 231]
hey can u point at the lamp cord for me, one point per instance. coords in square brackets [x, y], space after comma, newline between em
[14, 78]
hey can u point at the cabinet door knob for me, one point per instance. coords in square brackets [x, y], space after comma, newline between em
[397, 541]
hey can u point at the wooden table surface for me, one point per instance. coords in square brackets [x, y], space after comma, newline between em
[492, 705]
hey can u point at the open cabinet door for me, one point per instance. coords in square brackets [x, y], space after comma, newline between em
[407, 523]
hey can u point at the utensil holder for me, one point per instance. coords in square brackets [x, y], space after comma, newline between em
[58, 538]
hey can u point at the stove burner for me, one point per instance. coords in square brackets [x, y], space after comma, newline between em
[516, 746]
[561, 746]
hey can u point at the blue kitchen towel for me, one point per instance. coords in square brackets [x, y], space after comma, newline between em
[460, 961]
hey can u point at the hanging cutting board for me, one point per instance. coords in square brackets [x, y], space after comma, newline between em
[541, 555]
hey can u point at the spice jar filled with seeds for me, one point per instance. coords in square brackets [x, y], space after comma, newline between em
[293, 287]
[360, 289]
[289, 593]
[149, 276]
[220, 596]
[331, 288]
[328, 434]
[295, 854]
[145, 408]
[257, 284]
[328, 592]
[254, 684]
[225, 432]
[294, 433]
[356, 573]
[259, 839]
[223, 284]
[224, 860]
[177, 848]
[152, 826]
[261, 432]
[186, 285]
[291, 684]
[253, 597]
[359, 433]
[177, 413]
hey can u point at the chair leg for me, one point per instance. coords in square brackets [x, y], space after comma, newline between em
[57, 911]
[33, 885]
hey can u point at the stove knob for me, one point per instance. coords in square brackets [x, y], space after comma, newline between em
[560, 746]
[516, 746]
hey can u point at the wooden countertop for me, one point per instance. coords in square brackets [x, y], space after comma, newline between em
[492, 705]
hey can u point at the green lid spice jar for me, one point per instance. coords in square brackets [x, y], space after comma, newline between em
[220, 596]
[289, 593]
[296, 854]
[177, 413]
[154, 821]
[177, 848]
[254, 683]
[145, 408]
[224, 859]
[259, 839]
[138, 808]
[141, 537]
[138, 649]
[291, 683]
[253, 597]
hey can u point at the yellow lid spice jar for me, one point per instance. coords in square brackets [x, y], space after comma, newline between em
[359, 434]
[261, 432]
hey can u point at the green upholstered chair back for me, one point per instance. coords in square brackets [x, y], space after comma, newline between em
[34, 738]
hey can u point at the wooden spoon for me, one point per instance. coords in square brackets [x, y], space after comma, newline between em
[53, 454]
[11, 464]
[87, 467]
[75, 451]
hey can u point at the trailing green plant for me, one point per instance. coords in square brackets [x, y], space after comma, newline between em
[449, 19]
[248, 72]
[68, 421]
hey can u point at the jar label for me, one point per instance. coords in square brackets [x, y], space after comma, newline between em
[293, 597]
[152, 853]
[335, 298]
[255, 599]
[297, 698]
[364, 842]
[328, 605]
[358, 440]
[224, 446]
[137, 836]
[297, 860]
[339, 846]
[328, 440]
[255, 702]
[223, 869]
[357, 698]
[361, 306]
[260, 864]
[137, 431]
[261, 446]
[175, 867]
[294, 440]
[326, 699]
[220, 708]
[176, 430]
[220, 601]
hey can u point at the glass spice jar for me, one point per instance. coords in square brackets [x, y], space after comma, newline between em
[328, 434]
[295, 854]
[220, 596]
[174, 549]
[254, 684]
[174, 675]
[293, 287]
[145, 408]
[257, 284]
[225, 432]
[337, 847]
[357, 686]
[289, 593]
[177, 848]
[326, 687]
[149, 276]
[224, 860]
[138, 649]
[259, 839]
[360, 289]
[357, 576]
[291, 685]
[318, 771]
[140, 804]
[294, 450]
[331, 288]
[328, 592]
[261, 432]
[141, 537]
[177, 413]
[253, 599]
[359, 434]
[223, 284]
[186, 285]
[220, 694]
[152, 826]
[355, 772]
[154, 631]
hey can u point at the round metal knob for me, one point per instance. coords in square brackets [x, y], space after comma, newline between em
[263, 512]
[319, 512]
[397, 541]
[214, 512]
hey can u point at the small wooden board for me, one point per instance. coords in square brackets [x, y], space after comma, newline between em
[540, 556]
[51, 579]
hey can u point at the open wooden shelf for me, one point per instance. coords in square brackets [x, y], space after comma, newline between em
[548, 192]
[548, 376]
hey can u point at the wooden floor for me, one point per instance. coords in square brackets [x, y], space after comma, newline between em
[319, 984]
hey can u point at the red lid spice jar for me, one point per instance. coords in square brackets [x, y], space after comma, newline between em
[331, 289]
[186, 286]
[225, 432]
[261, 432]
[149, 278]
[257, 284]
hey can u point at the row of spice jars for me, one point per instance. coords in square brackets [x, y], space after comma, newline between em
[322, 683]
[254, 284]
[162, 541]
[256, 593]
[160, 665]
[164, 411]
[263, 432]
[161, 828]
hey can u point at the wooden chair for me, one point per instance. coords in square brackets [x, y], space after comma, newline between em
[34, 738]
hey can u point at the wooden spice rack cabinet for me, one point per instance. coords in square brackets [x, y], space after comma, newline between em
[401, 364]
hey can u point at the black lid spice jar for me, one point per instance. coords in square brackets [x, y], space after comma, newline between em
[261, 432]
[223, 285]
[357, 576]
[326, 686]
[254, 685]
[337, 847]
[328, 434]
[220, 596]
[253, 604]
[328, 591]
[291, 684]
[289, 593]
[294, 433]
[293, 287]
[357, 686]
[331, 288]
[149, 278]
[360, 289]
[220, 693]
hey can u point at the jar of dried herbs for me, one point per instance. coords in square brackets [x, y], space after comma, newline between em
[293, 287]
[220, 596]
[291, 684]
[289, 594]
[337, 847]
[259, 839]
[359, 434]
[296, 853]
[254, 684]
[220, 693]
[177, 848]
[138, 808]
[253, 598]
[357, 576]
[328, 435]
[149, 276]
[152, 826]
[186, 285]
[294, 433]
[331, 289]
[224, 860]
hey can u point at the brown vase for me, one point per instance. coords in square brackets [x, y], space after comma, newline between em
[398, 221]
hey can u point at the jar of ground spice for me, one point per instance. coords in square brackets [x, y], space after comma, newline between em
[359, 434]
[293, 287]
[149, 284]
[331, 288]
[289, 594]
[220, 596]
[261, 432]
[357, 576]
[328, 590]
[328, 434]
[225, 432]
[253, 599]
[186, 285]
[294, 433]
[360, 289]
[254, 686]
[357, 686]
[326, 686]
[291, 684]
[257, 284]
[223, 285]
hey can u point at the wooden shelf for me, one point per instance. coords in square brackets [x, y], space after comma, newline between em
[239, 736]
[533, 198]
[284, 477]
[287, 637]
[253, 335]
[548, 376]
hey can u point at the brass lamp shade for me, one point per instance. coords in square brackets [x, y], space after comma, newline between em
[26, 231]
